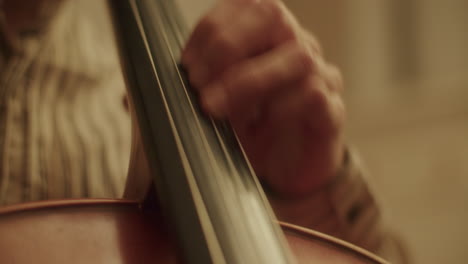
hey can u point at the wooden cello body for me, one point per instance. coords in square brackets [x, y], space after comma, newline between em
[212, 208]
[120, 231]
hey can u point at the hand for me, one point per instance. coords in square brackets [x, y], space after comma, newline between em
[253, 64]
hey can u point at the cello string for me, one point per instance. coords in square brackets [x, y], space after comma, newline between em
[256, 206]
[214, 124]
[214, 249]
[195, 114]
[228, 156]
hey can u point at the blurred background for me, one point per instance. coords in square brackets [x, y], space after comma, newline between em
[405, 63]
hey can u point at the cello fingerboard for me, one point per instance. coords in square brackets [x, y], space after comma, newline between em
[204, 181]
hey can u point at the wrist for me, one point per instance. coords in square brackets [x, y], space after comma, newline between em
[321, 169]
[308, 208]
[302, 209]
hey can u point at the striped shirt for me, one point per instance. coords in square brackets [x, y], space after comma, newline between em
[64, 132]
[63, 129]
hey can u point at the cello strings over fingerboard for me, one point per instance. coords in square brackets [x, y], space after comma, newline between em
[205, 183]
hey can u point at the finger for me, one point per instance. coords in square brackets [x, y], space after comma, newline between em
[333, 78]
[208, 25]
[250, 82]
[313, 42]
[258, 27]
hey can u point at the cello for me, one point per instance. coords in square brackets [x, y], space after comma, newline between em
[212, 208]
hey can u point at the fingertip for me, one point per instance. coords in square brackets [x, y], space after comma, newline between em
[185, 56]
[199, 76]
[214, 101]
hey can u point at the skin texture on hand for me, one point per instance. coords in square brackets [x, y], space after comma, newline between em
[28, 15]
[253, 64]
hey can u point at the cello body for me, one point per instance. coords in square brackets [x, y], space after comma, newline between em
[121, 231]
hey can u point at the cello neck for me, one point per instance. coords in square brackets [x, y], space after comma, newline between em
[203, 179]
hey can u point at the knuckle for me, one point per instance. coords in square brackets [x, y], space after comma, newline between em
[313, 42]
[273, 10]
[332, 77]
[340, 80]
[316, 46]
[223, 44]
[327, 107]
[238, 79]
[315, 95]
[207, 25]
[335, 78]
[281, 20]
[288, 31]
[303, 58]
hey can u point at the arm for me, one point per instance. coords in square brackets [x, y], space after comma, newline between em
[344, 208]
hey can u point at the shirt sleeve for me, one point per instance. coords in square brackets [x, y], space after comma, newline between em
[346, 208]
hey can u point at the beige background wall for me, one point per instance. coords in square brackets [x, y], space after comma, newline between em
[406, 65]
